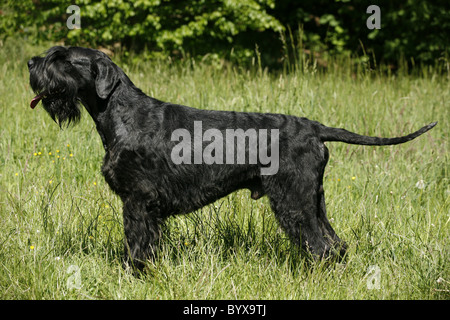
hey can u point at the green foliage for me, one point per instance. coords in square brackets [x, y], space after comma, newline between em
[411, 30]
[161, 26]
[415, 30]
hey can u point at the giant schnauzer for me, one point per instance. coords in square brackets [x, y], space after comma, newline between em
[150, 165]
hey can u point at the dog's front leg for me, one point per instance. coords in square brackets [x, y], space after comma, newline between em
[142, 233]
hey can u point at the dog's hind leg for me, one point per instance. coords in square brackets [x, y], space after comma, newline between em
[339, 246]
[297, 212]
[297, 198]
[142, 232]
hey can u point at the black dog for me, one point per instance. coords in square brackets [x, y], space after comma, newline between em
[151, 164]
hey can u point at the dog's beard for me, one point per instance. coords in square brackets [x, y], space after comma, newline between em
[61, 103]
[62, 109]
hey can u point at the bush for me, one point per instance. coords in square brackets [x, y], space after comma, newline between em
[164, 27]
[411, 30]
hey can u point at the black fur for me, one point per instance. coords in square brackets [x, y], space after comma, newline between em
[136, 133]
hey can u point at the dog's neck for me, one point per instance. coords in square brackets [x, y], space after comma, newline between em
[108, 114]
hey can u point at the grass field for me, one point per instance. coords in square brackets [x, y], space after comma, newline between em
[61, 228]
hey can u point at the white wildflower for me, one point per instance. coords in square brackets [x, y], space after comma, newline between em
[420, 184]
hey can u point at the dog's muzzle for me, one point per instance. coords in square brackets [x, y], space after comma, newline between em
[41, 95]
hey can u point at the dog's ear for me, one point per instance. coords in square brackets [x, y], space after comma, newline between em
[106, 77]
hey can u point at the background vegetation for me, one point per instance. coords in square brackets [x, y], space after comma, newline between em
[61, 233]
[413, 30]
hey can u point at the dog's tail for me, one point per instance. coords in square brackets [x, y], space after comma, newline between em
[335, 134]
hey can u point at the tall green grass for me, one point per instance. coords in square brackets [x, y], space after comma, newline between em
[61, 227]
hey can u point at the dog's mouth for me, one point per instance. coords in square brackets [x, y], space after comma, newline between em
[36, 100]
[44, 95]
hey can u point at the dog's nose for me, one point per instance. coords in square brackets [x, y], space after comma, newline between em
[30, 63]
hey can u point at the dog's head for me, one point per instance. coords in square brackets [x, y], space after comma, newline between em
[64, 77]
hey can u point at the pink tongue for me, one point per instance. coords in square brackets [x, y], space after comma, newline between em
[35, 101]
